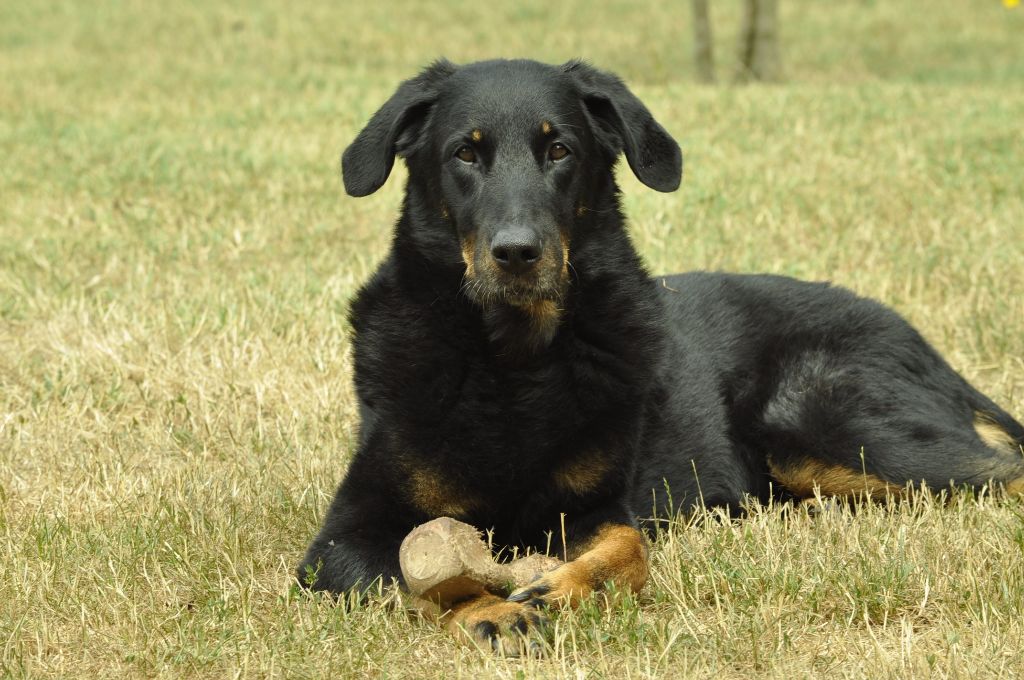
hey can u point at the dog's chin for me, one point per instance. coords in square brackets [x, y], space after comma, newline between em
[491, 294]
[520, 320]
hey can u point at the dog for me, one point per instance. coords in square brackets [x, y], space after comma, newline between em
[518, 369]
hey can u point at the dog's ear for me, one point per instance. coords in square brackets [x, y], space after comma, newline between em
[394, 129]
[623, 123]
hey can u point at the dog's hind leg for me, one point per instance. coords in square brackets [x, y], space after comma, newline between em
[999, 432]
[847, 427]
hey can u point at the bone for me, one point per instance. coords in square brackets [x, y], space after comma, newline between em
[445, 560]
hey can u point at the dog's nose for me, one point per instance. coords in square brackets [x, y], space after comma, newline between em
[516, 249]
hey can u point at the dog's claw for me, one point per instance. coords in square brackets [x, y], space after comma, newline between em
[534, 594]
[508, 629]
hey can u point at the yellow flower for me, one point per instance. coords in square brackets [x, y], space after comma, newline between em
[1010, 3]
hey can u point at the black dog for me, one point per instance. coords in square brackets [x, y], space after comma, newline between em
[519, 370]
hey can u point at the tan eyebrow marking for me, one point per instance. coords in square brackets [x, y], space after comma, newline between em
[545, 127]
[477, 135]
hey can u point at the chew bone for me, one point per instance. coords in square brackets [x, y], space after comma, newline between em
[445, 561]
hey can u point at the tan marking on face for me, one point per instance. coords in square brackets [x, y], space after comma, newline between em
[994, 436]
[488, 265]
[436, 495]
[803, 477]
[469, 254]
[476, 135]
[565, 255]
[583, 474]
[545, 127]
[580, 210]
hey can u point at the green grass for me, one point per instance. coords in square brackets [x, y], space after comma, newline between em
[176, 256]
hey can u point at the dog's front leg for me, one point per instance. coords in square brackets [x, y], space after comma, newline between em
[608, 551]
[614, 552]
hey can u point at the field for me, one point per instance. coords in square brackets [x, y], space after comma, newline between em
[177, 255]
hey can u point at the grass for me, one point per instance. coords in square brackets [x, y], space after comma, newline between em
[176, 256]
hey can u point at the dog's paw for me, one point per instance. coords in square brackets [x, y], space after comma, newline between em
[508, 628]
[567, 583]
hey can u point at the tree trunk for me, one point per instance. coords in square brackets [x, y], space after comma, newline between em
[759, 42]
[703, 53]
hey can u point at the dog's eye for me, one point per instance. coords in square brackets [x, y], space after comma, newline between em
[558, 151]
[466, 154]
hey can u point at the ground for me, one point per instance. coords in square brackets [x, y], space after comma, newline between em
[176, 256]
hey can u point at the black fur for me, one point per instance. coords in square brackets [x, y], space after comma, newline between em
[639, 393]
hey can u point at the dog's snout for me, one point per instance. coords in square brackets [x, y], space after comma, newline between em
[516, 249]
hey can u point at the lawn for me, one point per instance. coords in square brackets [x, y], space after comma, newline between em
[177, 255]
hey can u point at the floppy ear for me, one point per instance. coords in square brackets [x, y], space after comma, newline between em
[623, 123]
[367, 161]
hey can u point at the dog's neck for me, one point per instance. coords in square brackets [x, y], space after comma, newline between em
[517, 331]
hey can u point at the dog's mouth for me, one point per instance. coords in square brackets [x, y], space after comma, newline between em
[487, 290]
[487, 284]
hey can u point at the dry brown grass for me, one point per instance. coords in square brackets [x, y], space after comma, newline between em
[176, 256]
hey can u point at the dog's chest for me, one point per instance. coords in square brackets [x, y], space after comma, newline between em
[497, 440]
[519, 447]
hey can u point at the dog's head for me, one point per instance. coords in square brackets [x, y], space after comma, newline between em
[509, 160]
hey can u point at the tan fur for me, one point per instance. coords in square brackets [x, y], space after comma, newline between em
[545, 127]
[545, 315]
[617, 553]
[465, 616]
[1015, 486]
[469, 254]
[486, 607]
[476, 135]
[582, 475]
[570, 583]
[437, 496]
[544, 318]
[832, 480]
[994, 436]
[565, 255]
